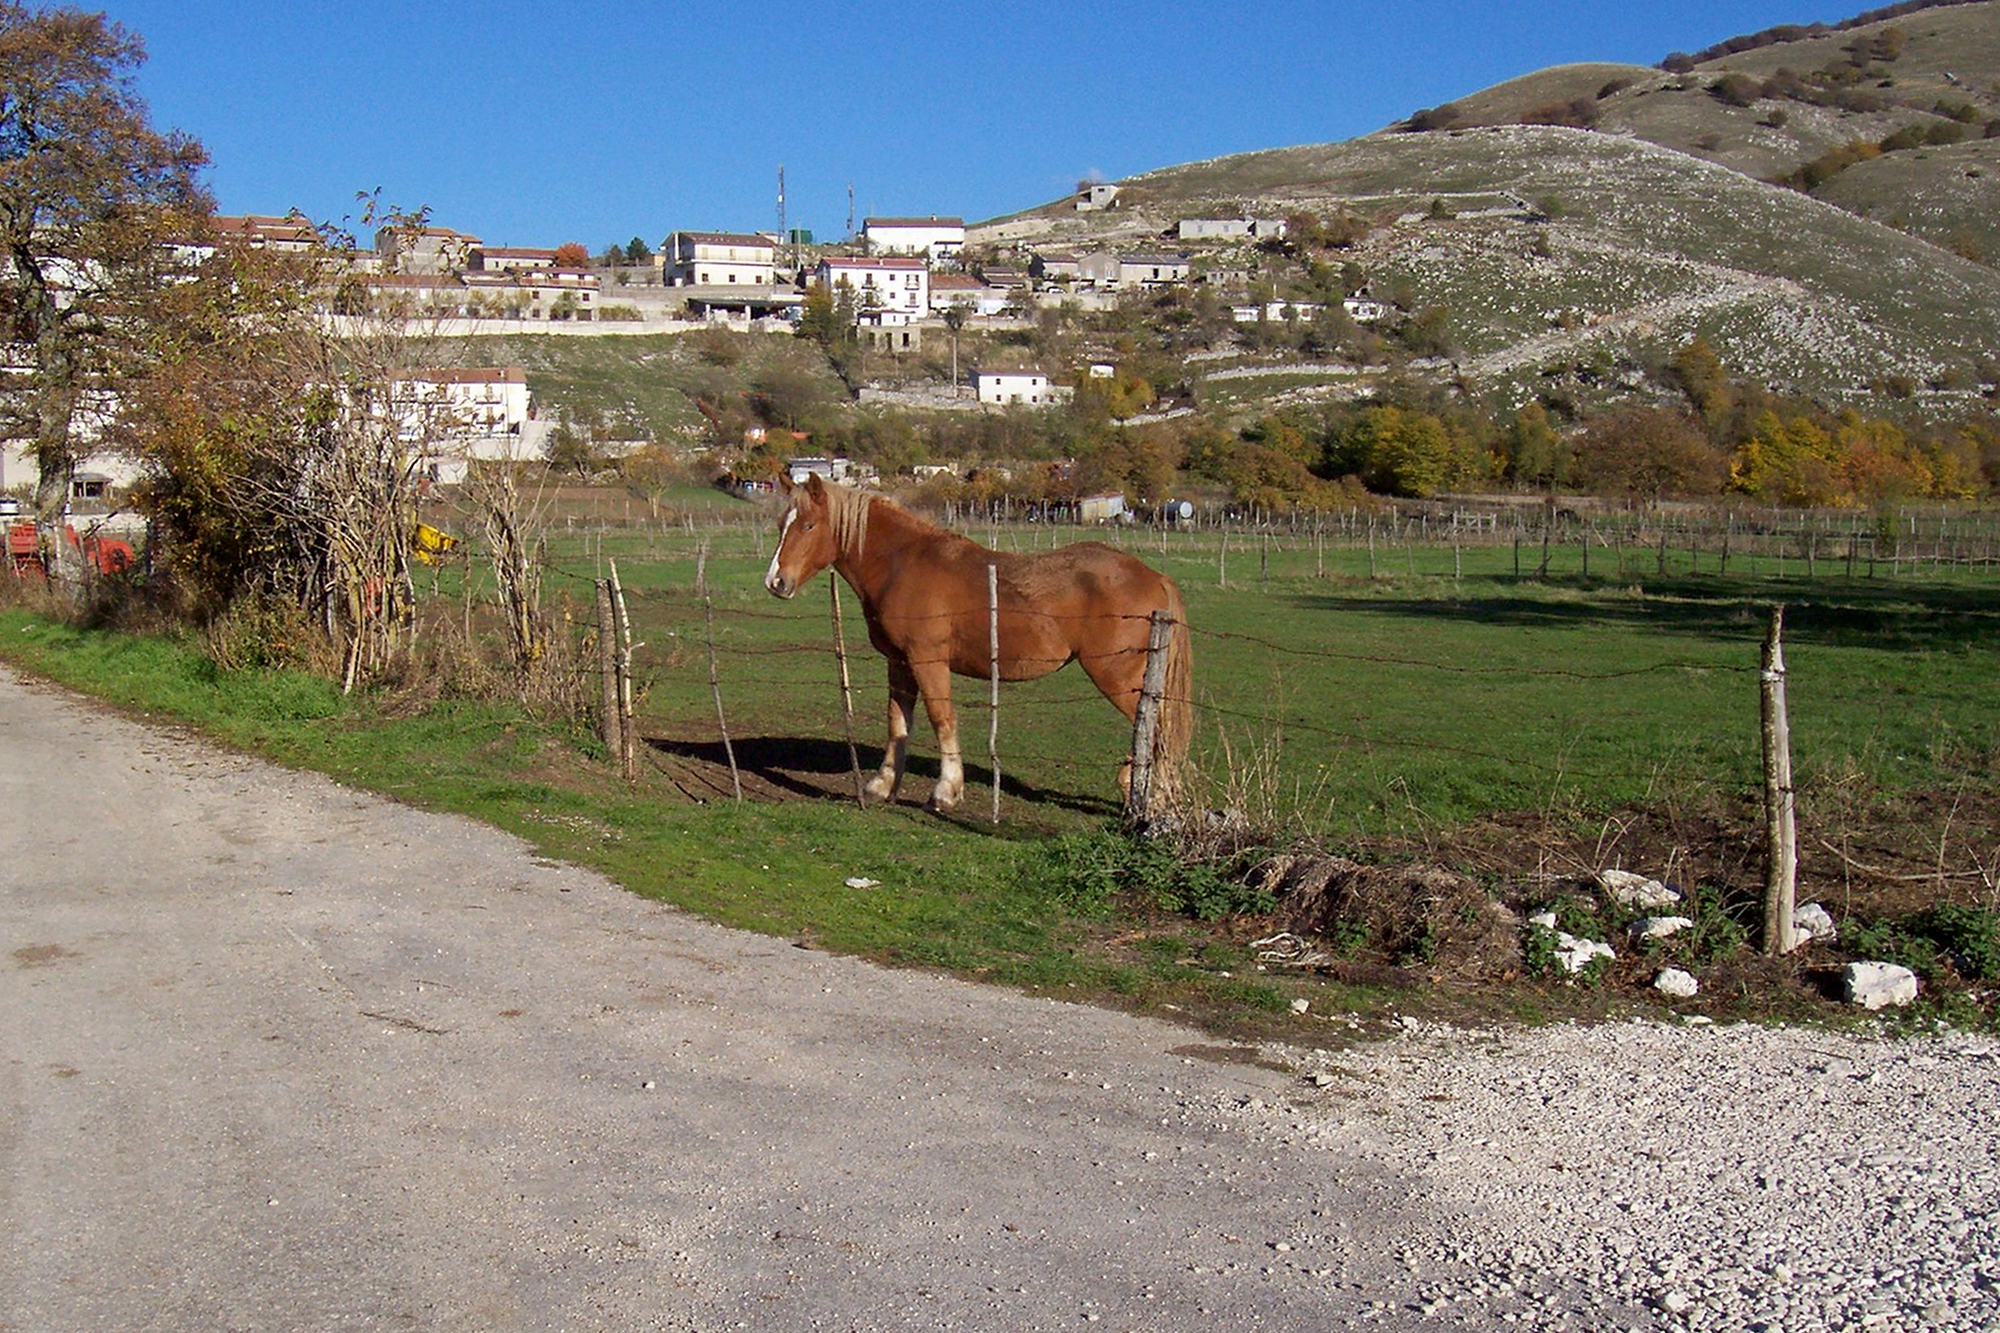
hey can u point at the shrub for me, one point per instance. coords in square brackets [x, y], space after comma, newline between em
[1434, 118]
[1084, 872]
[1736, 89]
[1971, 935]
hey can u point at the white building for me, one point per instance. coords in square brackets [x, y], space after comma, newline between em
[425, 250]
[291, 234]
[886, 291]
[1275, 311]
[1152, 270]
[1230, 229]
[560, 293]
[718, 259]
[460, 416]
[1028, 387]
[503, 259]
[968, 293]
[937, 239]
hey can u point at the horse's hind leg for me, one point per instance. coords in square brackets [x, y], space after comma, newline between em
[902, 707]
[934, 682]
[1119, 675]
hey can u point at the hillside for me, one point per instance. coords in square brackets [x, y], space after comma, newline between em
[1769, 111]
[1557, 252]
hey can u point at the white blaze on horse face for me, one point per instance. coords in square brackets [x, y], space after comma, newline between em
[771, 576]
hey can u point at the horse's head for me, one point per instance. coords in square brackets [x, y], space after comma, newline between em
[806, 540]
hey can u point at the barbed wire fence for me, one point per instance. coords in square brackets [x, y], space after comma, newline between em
[737, 697]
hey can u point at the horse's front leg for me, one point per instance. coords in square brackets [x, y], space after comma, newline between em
[934, 683]
[902, 707]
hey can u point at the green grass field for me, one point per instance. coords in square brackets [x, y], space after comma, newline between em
[1440, 690]
[1423, 707]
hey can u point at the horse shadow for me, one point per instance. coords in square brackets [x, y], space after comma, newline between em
[815, 768]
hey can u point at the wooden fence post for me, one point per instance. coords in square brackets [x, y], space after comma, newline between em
[1781, 833]
[611, 722]
[1146, 720]
[846, 691]
[715, 686]
[993, 648]
[628, 730]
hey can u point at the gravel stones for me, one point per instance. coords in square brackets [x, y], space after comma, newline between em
[1648, 1176]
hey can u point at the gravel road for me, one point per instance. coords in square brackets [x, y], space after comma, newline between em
[277, 1055]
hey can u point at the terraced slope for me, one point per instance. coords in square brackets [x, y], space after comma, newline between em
[1588, 253]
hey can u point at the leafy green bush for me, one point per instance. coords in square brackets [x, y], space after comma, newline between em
[1084, 872]
[1970, 934]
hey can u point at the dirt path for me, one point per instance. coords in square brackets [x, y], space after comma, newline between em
[275, 1055]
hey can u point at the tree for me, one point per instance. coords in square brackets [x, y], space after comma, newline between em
[954, 319]
[638, 252]
[90, 198]
[571, 254]
[1401, 451]
[1649, 453]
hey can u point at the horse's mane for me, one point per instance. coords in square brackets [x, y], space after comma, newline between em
[848, 509]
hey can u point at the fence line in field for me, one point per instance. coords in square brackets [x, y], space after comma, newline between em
[760, 675]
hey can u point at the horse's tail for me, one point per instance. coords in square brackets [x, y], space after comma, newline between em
[1176, 726]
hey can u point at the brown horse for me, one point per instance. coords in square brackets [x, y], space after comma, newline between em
[924, 593]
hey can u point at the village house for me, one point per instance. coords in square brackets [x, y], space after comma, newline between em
[1097, 269]
[887, 292]
[415, 294]
[1055, 268]
[1030, 388]
[937, 239]
[458, 416]
[291, 234]
[802, 470]
[1152, 270]
[560, 293]
[462, 402]
[718, 259]
[1230, 229]
[423, 250]
[1095, 197]
[1275, 311]
[962, 290]
[499, 259]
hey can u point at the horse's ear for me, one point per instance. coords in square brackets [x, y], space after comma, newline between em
[816, 486]
[784, 483]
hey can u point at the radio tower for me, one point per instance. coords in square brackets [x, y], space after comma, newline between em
[850, 210]
[784, 236]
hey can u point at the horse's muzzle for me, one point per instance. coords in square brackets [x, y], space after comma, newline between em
[780, 586]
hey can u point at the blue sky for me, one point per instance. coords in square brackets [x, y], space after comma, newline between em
[534, 124]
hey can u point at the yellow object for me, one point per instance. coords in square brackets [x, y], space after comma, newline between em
[430, 545]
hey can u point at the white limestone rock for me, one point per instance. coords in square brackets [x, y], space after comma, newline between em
[1575, 954]
[1630, 890]
[1659, 927]
[1879, 985]
[1812, 922]
[1680, 985]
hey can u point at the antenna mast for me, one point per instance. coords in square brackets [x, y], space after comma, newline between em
[850, 210]
[784, 236]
